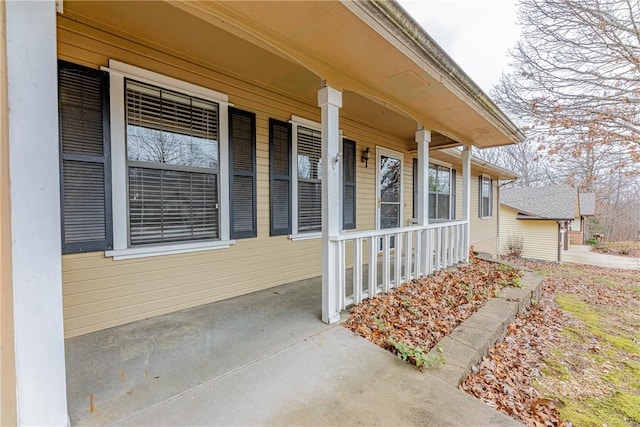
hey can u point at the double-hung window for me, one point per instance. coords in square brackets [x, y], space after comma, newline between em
[441, 192]
[485, 202]
[309, 167]
[173, 165]
[295, 175]
[170, 164]
[152, 165]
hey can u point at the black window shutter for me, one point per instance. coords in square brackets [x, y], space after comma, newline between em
[348, 184]
[242, 171]
[279, 177]
[85, 163]
[453, 194]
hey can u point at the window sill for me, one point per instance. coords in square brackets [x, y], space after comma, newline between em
[483, 218]
[175, 248]
[305, 236]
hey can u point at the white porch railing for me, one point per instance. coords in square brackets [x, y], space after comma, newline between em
[383, 259]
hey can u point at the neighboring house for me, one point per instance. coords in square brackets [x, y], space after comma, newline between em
[579, 227]
[537, 219]
[161, 155]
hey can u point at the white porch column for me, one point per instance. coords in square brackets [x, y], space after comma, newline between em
[330, 101]
[466, 195]
[32, 97]
[423, 138]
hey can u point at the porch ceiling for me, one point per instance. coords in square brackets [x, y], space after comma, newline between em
[289, 46]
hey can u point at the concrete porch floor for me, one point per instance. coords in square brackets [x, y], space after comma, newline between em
[260, 359]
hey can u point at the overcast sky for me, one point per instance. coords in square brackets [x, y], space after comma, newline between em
[475, 33]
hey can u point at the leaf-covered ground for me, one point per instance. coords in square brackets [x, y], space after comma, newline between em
[575, 358]
[630, 248]
[412, 319]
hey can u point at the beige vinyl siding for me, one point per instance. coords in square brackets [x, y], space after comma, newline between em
[540, 237]
[8, 404]
[99, 292]
[484, 231]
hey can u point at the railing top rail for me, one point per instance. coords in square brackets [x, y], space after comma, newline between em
[392, 231]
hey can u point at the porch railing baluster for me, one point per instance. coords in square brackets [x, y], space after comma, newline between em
[419, 250]
[373, 266]
[357, 271]
[386, 264]
[397, 263]
[408, 257]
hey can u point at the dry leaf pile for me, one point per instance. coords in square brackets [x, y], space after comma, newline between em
[629, 248]
[505, 376]
[420, 313]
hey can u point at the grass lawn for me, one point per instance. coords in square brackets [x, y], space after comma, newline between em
[575, 357]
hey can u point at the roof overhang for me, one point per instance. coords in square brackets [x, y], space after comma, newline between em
[373, 48]
[522, 215]
[453, 156]
[391, 72]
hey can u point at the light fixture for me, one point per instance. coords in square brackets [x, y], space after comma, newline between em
[366, 155]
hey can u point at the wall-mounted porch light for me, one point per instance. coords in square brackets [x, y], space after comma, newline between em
[366, 155]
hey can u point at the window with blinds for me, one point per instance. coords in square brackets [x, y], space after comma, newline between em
[309, 179]
[85, 169]
[173, 165]
[242, 162]
[279, 177]
[348, 184]
[441, 190]
[485, 190]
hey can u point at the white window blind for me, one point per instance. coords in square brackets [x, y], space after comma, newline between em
[309, 179]
[173, 165]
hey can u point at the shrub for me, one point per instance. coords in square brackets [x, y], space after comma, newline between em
[514, 245]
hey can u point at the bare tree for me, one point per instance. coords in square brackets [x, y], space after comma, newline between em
[574, 85]
[523, 159]
[576, 75]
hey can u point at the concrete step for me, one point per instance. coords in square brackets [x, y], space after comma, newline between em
[473, 338]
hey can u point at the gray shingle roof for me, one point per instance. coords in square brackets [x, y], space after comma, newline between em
[587, 204]
[553, 202]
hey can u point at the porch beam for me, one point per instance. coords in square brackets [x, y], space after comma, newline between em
[34, 213]
[330, 102]
[466, 197]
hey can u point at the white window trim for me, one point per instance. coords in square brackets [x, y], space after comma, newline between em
[381, 151]
[483, 176]
[168, 249]
[441, 163]
[305, 236]
[295, 122]
[452, 183]
[121, 250]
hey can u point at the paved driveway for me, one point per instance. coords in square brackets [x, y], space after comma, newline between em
[259, 359]
[582, 254]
